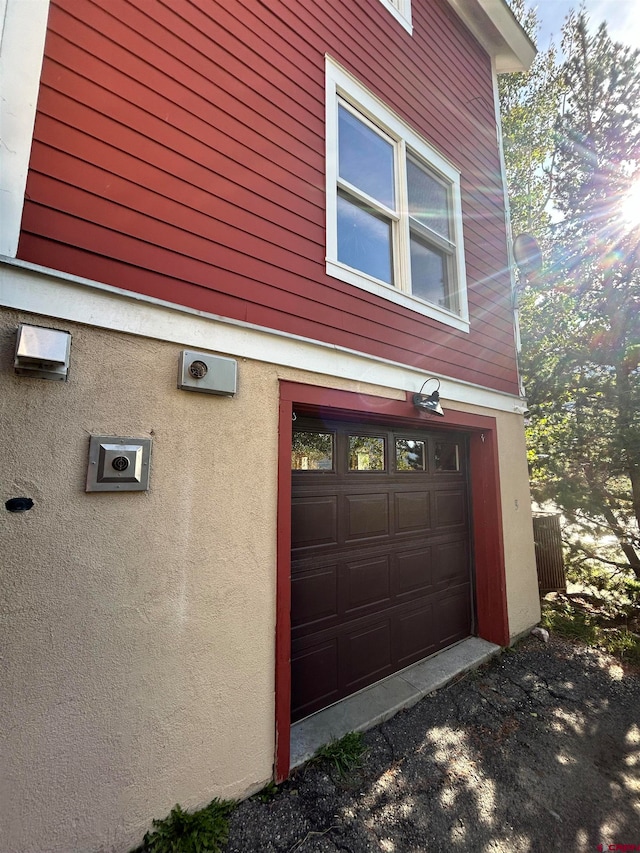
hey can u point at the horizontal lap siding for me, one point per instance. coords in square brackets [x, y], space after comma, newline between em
[179, 152]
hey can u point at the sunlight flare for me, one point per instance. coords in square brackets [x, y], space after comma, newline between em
[630, 206]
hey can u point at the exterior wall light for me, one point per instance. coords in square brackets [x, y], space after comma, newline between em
[429, 403]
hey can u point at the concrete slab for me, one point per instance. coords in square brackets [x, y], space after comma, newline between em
[381, 701]
[436, 671]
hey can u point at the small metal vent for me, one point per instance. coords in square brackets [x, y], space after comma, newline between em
[120, 463]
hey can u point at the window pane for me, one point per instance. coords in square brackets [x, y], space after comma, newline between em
[365, 158]
[429, 273]
[364, 240]
[312, 451]
[447, 457]
[428, 199]
[366, 453]
[410, 455]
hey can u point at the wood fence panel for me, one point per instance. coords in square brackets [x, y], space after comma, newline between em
[549, 558]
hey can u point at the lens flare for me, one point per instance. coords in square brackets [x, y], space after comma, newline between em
[630, 206]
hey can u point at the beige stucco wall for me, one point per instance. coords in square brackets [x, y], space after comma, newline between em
[138, 628]
[523, 602]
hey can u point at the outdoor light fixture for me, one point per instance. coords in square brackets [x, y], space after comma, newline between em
[429, 403]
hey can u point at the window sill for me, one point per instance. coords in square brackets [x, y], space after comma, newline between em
[372, 285]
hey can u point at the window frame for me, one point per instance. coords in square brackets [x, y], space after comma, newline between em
[305, 471]
[343, 88]
[425, 455]
[401, 11]
[361, 435]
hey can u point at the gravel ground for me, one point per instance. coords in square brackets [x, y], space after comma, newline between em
[539, 750]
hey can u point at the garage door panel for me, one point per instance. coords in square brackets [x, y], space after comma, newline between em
[412, 511]
[314, 677]
[367, 583]
[314, 595]
[450, 508]
[367, 654]
[453, 616]
[314, 521]
[412, 571]
[366, 516]
[416, 635]
[450, 563]
[381, 569]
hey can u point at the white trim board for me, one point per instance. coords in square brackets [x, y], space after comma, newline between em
[507, 212]
[497, 29]
[22, 37]
[27, 287]
[401, 11]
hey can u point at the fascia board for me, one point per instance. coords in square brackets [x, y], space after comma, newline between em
[495, 26]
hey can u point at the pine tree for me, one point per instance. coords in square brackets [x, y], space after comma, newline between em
[581, 319]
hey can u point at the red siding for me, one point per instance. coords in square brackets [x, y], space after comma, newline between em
[179, 152]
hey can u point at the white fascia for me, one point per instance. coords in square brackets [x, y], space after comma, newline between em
[507, 208]
[23, 29]
[497, 29]
[50, 293]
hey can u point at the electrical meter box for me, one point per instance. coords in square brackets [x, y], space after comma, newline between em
[209, 374]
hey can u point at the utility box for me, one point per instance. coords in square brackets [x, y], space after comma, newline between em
[210, 374]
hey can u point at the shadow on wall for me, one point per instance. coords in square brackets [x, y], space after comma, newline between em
[539, 750]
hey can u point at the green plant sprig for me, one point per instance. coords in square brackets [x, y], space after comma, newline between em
[205, 830]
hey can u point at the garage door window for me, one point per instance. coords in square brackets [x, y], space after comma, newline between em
[410, 455]
[447, 457]
[366, 453]
[312, 451]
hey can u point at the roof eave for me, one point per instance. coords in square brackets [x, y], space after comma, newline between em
[495, 26]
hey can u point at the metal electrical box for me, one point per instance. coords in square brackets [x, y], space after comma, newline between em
[118, 464]
[211, 374]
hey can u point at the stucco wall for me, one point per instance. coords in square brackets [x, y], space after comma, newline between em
[523, 601]
[138, 629]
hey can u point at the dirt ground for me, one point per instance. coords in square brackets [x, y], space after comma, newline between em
[539, 750]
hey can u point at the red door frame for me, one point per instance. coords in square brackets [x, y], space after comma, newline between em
[486, 509]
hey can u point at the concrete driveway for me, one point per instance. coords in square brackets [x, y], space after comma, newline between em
[538, 750]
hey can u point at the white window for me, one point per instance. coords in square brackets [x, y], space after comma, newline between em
[394, 219]
[401, 11]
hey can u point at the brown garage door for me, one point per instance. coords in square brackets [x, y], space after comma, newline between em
[381, 566]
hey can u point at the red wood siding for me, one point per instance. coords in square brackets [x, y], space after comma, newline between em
[179, 152]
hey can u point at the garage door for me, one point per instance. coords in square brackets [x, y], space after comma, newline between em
[381, 564]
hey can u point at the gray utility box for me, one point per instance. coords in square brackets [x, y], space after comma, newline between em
[210, 374]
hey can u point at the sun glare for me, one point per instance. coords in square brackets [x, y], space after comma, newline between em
[630, 206]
